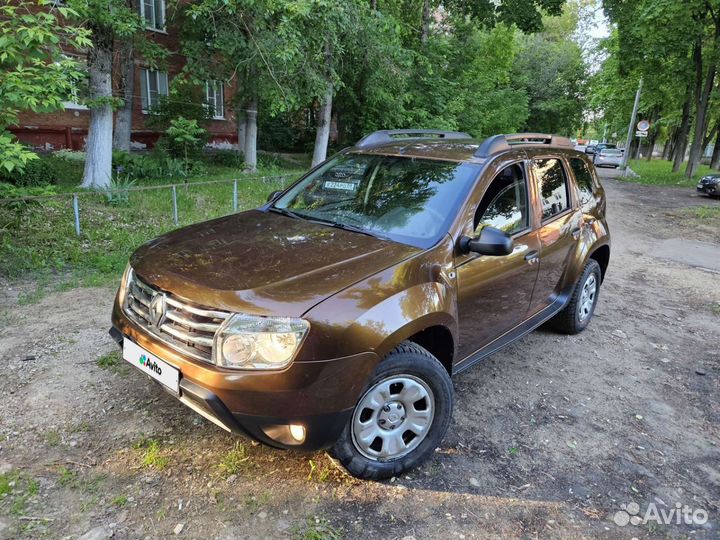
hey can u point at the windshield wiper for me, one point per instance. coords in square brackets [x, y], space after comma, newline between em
[325, 221]
[285, 212]
[343, 226]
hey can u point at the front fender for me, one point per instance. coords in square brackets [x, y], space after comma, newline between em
[404, 314]
[376, 314]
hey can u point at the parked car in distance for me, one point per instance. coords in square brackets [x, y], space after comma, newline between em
[602, 146]
[709, 185]
[608, 157]
[595, 148]
[335, 315]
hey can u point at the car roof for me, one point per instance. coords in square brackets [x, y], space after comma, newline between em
[459, 147]
[447, 150]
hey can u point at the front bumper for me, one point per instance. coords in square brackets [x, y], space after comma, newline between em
[318, 395]
[709, 189]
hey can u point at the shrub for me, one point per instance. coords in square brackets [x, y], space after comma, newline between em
[45, 170]
[9, 191]
[37, 172]
[68, 172]
[136, 167]
[184, 138]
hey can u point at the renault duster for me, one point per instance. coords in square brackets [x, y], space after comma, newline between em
[335, 315]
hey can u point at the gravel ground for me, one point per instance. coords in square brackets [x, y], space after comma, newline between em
[553, 437]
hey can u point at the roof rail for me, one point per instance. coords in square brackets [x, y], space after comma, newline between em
[498, 143]
[389, 135]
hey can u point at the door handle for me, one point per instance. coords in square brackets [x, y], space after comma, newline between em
[532, 257]
[576, 233]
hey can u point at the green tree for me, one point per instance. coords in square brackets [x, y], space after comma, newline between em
[484, 100]
[241, 46]
[551, 70]
[111, 23]
[36, 75]
[674, 45]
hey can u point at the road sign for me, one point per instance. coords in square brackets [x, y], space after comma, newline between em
[641, 133]
[643, 125]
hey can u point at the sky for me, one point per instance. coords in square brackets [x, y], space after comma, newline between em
[599, 26]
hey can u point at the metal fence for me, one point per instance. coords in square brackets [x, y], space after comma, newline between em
[74, 198]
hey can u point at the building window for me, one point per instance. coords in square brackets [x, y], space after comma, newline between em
[153, 84]
[153, 11]
[214, 98]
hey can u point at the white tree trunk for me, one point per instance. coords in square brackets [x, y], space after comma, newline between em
[251, 135]
[322, 135]
[123, 118]
[98, 163]
[241, 127]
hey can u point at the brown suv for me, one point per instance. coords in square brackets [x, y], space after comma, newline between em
[335, 314]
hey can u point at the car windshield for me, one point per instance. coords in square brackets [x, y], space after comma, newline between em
[610, 152]
[404, 199]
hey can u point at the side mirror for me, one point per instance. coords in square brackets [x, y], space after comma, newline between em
[274, 195]
[491, 241]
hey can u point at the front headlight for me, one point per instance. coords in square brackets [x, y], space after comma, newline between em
[250, 342]
[122, 291]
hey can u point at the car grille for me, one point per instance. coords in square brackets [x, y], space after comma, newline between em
[187, 328]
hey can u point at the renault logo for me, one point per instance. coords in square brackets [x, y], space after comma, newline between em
[157, 310]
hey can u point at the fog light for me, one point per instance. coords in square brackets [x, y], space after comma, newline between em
[297, 432]
[290, 434]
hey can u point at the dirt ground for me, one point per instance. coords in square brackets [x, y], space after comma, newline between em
[550, 438]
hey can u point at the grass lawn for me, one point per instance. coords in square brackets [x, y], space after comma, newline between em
[38, 240]
[659, 172]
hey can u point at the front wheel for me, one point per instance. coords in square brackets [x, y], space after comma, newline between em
[401, 417]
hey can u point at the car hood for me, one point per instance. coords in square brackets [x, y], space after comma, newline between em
[262, 263]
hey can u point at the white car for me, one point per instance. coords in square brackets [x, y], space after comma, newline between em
[608, 157]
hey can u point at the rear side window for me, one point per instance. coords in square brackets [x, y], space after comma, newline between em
[552, 185]
[584, 179]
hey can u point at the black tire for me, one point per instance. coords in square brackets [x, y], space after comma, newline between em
[569, 320]
[407, 359]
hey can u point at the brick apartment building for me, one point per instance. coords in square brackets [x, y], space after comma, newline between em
[68, 128]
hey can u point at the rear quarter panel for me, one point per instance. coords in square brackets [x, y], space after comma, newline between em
[594, 231]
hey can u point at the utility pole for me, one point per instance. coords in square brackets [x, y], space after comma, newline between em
[631, 127]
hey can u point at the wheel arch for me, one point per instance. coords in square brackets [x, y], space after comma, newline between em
[437, 340]
[601, 254]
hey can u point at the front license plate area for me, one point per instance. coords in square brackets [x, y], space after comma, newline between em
[151, 365]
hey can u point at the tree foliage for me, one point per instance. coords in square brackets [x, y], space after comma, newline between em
[474, 69]
[673, 47]
[36, 75]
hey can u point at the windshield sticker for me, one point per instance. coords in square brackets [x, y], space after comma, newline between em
[346, 186]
